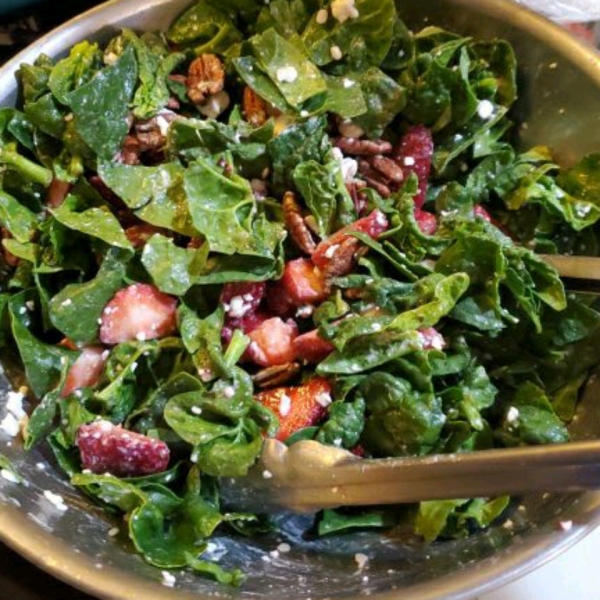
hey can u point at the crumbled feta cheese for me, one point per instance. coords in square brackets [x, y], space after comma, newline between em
[324, 399]
[215, 105]
[376, 327]
[113, 532]
[349, 169]
[361, 560]
[408, 161]
[337, 442]
[485, 109]
[9, 476]
[566, 525]
[14, 404]
[336, 52]
[196, 410]
[285, 405]
[237, 307]
[267, 474]
[331, 250]
[67, 302]
[342, 10]
[133, 367]
[30, 304]
[284, 548]
[56, 500]
[168, 579]
[322, 16]
[348, 83]
[305, 311]
[140, 336]
[274, 553]
[10, 425]
[287, 74]
[229, 391]
[512, 415]
[40, 466]
[162, 124]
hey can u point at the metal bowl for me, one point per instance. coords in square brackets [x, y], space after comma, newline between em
[560, 95]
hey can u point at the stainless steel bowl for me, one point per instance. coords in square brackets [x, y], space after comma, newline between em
[559, 106]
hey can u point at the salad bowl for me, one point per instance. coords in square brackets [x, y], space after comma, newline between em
[49, 523]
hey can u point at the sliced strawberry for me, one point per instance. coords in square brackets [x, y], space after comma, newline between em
[414, 154]
[272, 342]
[108, 448]
[302, 282]
[426, 221]
[312, 348]
[246, 324]
[373, 225]
[138, 312]
[297, 407]
[358, 450]
[241, 299]
[431, 339]
[479, 211]
[86, 370]
[57, 192]
[279, 301]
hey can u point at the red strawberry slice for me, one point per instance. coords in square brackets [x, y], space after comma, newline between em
[414, 154]
[86, 370]
[243, 298]
[138, 312]
[312, 348]
[302, 282]
[479, 211]
[426, 221]
[431, 339]
[247, 325]
[272, 342]
[108, 448]
[373, 225]
[297, 407]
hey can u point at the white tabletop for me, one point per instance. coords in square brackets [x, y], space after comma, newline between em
[574, 575]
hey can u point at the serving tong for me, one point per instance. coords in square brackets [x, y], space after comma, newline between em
[308, 476]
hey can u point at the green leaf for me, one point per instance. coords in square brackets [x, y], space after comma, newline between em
[344, 424]
[97, 222]
[77, 308]
[338, 520]
[100, 106]
[18, 219]
[433, 516]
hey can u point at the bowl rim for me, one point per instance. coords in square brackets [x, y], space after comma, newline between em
[58, 559]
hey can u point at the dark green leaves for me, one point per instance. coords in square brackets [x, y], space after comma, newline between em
[101, 106]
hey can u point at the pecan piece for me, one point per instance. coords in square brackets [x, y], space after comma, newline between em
[206, 76]
[294, 221]
[355, 189]
[277, 375]
[388, 168]
[342, 260]
[374, 179]
[130, 153]
[255, 109]
[362, 147]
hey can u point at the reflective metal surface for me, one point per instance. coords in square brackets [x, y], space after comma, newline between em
[560, 95]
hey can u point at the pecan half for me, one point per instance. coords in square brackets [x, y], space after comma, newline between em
[374, 179]
[296, 225]
[355, 189]
[277, 375]
[255, 109]
[342, 260]
[362, 147]
[206, 76]
[130, 153]
[388, 168]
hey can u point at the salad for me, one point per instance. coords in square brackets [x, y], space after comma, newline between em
[293, 219]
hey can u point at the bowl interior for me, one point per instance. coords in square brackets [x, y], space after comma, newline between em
[75, 545]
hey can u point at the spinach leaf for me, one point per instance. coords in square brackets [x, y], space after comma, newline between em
[76, 309]
[16, 218]
[344, 424]
[337, 520]
[100, 106]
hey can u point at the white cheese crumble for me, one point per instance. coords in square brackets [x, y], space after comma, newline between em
[113, 532]
[361, 560]
[56, 500]
[196, 410]
[348, 83]
[284, 548]
[512, 415]
[168, 579]
[67, 302]
[409, 161]
[274, 554]
[342, 10]
[324, 399]
[331, 250]
[287, 74]
[285, 405]
[215, 105]
[267, 474]
[336, 53]
[229, 391]
[10, 425]
[14, 404]
[9, 476]
[237, 307]
[140, 336]
[322, 16]
[305, 311]
[485, 109]
[162, 124]
[566, 525]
